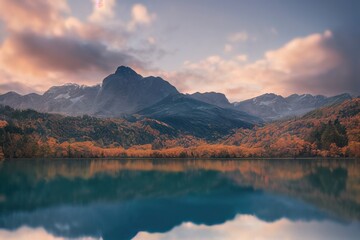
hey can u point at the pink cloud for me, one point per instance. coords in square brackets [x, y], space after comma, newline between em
[39, 16]
[313, 64]
[45, 45]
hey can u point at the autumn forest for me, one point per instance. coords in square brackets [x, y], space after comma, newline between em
[332, 131]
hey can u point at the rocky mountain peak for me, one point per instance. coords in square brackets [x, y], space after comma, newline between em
[126, 72]
[215, 98]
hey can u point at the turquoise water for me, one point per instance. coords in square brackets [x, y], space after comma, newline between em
[179, 199]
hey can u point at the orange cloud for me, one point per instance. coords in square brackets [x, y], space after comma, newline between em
[140, 16]
[44, 45]
[104, 12]
[239, 37]
[309, 55]
[314, 64]
[39, 16]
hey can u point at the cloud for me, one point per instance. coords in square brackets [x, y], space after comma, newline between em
[102, 13]
[228, 48]
[39, 16]
[216, 74]
[319, 63]
[24, 233]
[309, 54]
[20, 87]
[322, 63]
[45, 45]
[45, 61]
[32, 53]
[250, 227]
[239, 37]
[151, 40]
[241, 58]
[140, 16]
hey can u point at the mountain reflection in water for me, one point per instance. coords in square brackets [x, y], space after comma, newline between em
[179, 199]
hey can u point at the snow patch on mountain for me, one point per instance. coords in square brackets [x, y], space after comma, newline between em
[63, 95]
[74, 100]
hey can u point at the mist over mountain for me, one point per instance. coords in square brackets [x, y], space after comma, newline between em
[272, 107]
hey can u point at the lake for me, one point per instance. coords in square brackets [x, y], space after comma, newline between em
[179, 199]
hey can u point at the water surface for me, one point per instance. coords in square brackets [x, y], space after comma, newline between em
[179, 199]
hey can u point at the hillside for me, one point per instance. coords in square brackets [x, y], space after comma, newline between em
[27, 133]
[329, 132]
[198, 118]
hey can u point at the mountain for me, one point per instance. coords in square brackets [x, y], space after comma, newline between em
[70, 99]
[217, 99]
[198, 118]
[127, 92]
[123, 92]
[272, 107]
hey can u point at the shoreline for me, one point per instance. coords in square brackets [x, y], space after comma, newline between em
[177, 158]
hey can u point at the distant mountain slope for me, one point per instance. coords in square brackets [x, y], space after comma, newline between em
[198, 118]
[33, 126]
[123, 92]
[272, 107]
[70, 99]
[18, 101]
[217, 99]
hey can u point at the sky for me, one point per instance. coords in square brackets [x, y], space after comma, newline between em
[242, 48]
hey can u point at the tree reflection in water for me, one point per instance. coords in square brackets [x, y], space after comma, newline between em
[117, 199]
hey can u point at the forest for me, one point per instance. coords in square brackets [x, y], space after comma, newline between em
[332, 131]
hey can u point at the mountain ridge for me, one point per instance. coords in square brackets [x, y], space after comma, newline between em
[215, 98]
[123, 92]
[126, 92]
[271, 106]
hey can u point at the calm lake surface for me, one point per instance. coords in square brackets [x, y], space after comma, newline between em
[179, 199]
